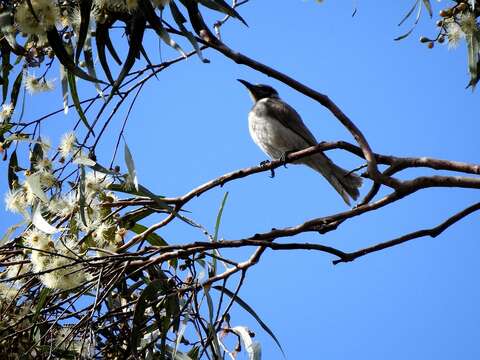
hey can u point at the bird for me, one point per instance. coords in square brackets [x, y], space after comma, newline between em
[278, 130]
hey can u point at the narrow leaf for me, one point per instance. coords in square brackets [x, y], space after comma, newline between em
[132, 173]
[85, 10]
[222, 6]
[55, 41]
[76, 101]
[137, 30]
[180, 20]
[152, 238]
[152, 291]
[252, 312]
[101, 35]
[428, 6]
[6, 67]
[41, 223]
[253, 349]
[64, 82]
[156, 24]
[88, 56]
[409, 13]
[35, 187]
[12, 169]
[16, 88]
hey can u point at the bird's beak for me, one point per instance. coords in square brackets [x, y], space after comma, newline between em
[252, 89]
[249, 86]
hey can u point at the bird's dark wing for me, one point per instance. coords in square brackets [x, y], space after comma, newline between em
[289, 118]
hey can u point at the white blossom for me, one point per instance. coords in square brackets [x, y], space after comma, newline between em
[468, 23]
[36, 85]
[455, 34]
[63, 274]
[67, 144]
[96, 182]
[36, 239]
[16, 201]
[63, 206]
[43, 165]
[44, 17]
[6, 112]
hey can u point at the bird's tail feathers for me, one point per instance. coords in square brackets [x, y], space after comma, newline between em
[343, 181]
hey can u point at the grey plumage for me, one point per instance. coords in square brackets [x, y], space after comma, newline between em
[278, 129]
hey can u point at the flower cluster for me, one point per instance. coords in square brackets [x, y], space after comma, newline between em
[58, 255]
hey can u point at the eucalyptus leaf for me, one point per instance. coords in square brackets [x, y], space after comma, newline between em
[152, 238]
[64, 82]
[40, 223]
[16, 88]
[76, 101]
[253, 349]
[132, 172]
[35, 186]
[222, 6]
[12, 169]
[252, 312]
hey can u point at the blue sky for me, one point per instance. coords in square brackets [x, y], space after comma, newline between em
[419, 300]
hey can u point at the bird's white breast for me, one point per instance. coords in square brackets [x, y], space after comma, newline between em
[270, 135]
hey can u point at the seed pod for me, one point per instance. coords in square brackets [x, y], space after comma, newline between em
[446, 13]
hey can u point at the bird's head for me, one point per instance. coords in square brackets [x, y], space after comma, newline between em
[259, 91]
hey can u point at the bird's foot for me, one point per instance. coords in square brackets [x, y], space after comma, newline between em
[284, 156]
[272, 171]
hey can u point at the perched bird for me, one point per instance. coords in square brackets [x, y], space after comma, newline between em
[278, 129]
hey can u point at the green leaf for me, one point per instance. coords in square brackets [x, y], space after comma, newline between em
[153, 291]
[6, 67]
[88, 56]
[137, 30]
[253, 349]
[64, 82]
[428, 6]
[401, 37]
[222, 6]
[180, 20]
[211, 325]
[39, 221]
[16, 89]
[132, 172]
[473, 57]
[41, 301]
[252, 312]
[12, 169]
[81, 195]
[156, 24]
[76, 101]
[56, 42]
[409, 13]
[102, 39]
[194, 352]
[85, 10]
[152, 238]
[219, 217]
[132, 217]
[36, 154]
[215, 233]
